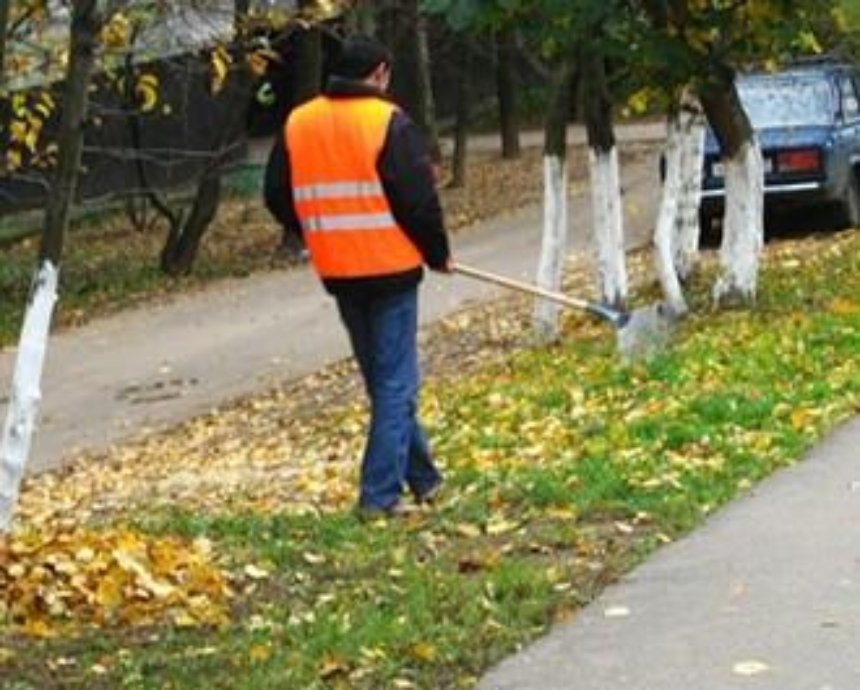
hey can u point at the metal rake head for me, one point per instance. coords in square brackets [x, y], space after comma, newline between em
[645, 333]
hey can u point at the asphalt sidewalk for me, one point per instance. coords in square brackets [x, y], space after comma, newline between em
[765, 595]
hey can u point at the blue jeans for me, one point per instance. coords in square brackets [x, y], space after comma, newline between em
[383, 333]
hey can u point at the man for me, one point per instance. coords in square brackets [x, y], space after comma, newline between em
[360, 190]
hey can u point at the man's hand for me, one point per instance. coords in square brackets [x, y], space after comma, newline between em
[447, 267]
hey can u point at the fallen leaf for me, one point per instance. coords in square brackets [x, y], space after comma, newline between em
[201, 651]
[255, 572]
[424, 651]
[332, 666]
[476, 562]
[801, 418]
[499, 525]
[260, 653]
[37, 627]
[616, 612]
[109, 594]
[844, 307]
[750, 667]
[561, 513]
[624, 527]
[468, 530]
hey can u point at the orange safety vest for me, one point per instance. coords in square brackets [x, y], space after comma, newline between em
[349, 230]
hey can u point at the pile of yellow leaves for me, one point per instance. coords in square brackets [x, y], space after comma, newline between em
[52, 582]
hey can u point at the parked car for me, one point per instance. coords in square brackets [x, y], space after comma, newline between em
[807, 119]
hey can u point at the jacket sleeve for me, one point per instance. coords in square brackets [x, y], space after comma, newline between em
[407, 177]
[278, 188]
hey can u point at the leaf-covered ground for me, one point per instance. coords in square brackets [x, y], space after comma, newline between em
[230, 552]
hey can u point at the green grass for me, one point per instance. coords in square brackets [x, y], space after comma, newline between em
[565, 468]
[851, 8]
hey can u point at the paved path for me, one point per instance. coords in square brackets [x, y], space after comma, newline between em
[765, 596]
[158, 365]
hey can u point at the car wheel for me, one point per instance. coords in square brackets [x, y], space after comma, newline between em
[851, 205]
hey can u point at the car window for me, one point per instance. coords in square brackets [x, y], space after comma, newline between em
[850, 104]
[787, 100]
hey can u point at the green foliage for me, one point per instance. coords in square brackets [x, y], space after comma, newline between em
[459, 14]
[698, 39]
[851, 12]
[667, 52]
[846, 24]
[473, 15]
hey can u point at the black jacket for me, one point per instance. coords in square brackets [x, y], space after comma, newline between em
[406, 173]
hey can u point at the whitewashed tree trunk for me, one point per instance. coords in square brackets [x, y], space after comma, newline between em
[743, 226]
[608, 226]
[668, 218]
[553, 245]
[687, 228]
[676, 235]
[24, 399]
[25, 396]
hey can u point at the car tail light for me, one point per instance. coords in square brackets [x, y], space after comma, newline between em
[799, 160]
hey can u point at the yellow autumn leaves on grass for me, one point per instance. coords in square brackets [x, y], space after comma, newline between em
[56, 580]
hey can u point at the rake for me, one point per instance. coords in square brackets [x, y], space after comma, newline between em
[641, 332]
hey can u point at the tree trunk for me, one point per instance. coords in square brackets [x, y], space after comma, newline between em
[307, 69]
[4, 27]
[405, 31]
[667, 217]
[685, 242]
[743, 225]
[184, 237]
[26, 381]
[425, 85]
[687, 227]
[361, 19]
[607, 223]
[180, 250]
[4, 39]
[676, 235]
[555, 225]
[507, 92]
[461, 129]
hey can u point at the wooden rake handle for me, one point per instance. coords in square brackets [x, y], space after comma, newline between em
[614, 317]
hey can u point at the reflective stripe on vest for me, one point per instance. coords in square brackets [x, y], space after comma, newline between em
[332, 190]
[334, 144]
[363, 221]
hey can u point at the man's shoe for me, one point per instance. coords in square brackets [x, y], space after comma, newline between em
[431, 495]
[372, 513]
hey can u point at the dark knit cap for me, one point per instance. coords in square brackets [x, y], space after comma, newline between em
[359, 56]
